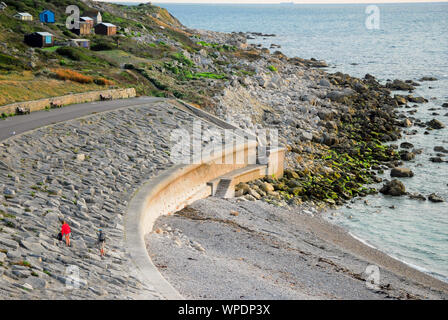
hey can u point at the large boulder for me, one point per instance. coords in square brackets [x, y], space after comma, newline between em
[400, 99]
[267, 187]
[393, 188]
[324, 83]
[440, 149]
[417, 196]
[406, 145]
[406, 123]
[426, 78]
[339, 96]
[435, 124]
[401, 173]
[330, 140]
[416, 99]
[435, 198]
[242, 189]
[399, 85]
[406, 155]
[291, 174]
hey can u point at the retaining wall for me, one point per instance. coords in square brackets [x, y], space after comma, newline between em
[180, 186]
[170, 192]
[84, 97]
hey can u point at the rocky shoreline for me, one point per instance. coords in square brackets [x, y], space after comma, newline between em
[340, 133]
[338, 129]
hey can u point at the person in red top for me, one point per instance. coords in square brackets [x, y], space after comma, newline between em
[65, 231]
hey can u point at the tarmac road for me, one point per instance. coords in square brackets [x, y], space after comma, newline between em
[19, 124]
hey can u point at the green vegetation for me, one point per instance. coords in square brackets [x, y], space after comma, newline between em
[210, 75]
[182, 59]
[80, 54]
[218, 46]
[8, 62]
[158, 68]
[51, 49]
[272, 68]
[6, 115]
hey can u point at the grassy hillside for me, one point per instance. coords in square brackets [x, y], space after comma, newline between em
[149, 53]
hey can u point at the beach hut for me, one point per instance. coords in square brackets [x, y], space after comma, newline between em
[82, 43]
[84, 28]
[106, 29]
[39, 39]
[24, 16]
[87, 20]
[47, 16]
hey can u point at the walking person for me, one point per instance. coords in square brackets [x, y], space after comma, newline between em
[65, 231]
[101, 241]
[59, 237]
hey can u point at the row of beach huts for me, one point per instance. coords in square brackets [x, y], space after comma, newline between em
[87, 25]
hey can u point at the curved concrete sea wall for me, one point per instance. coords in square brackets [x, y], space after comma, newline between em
[170, 192]
[111, 170]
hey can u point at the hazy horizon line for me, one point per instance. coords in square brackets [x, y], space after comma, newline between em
[278, 2]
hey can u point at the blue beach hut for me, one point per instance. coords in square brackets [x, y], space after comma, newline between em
[46, 16]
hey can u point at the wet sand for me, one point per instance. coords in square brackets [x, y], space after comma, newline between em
[233, 249]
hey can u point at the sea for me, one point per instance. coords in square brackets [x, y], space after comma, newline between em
[390, 41]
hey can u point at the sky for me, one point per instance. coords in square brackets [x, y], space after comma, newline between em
[276, 1]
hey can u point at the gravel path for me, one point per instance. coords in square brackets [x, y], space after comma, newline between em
[233, 249]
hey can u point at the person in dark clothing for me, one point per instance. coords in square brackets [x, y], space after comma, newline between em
[101, 241]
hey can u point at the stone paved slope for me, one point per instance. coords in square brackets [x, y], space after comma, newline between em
[84, 171]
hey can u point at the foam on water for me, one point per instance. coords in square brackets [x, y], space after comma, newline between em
[362, 241]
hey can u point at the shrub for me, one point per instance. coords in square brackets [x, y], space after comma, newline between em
[78, 54]
[68, 33]
[66, 74]
[179, 56]
[9, 62]
[102, 45]
[104, 82]
[69, 52]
